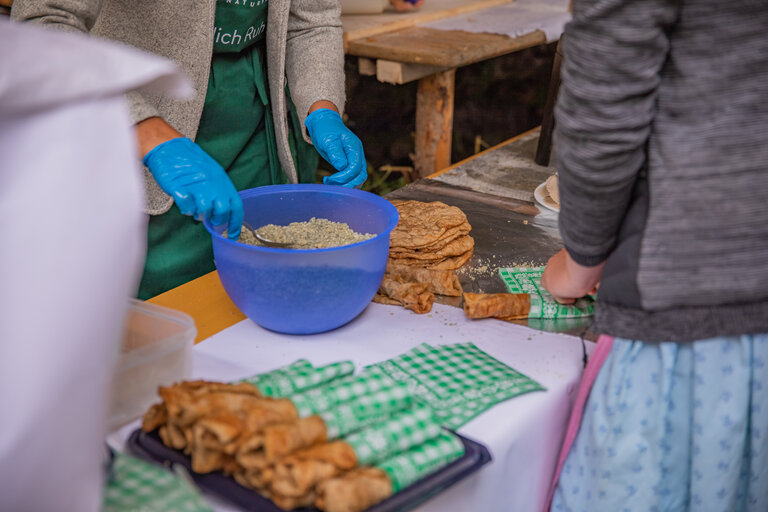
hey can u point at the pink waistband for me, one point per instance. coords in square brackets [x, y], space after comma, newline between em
[596, 360]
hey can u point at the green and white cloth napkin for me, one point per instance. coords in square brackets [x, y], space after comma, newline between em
[326, 397]
[364, 410]
[528, 280]
[345, 402]
[457, 381]
[139, 486]
[410, 466]
[399, 433]
[299, 376]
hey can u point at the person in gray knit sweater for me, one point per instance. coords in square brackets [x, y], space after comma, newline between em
[662, 147]
[269, 76]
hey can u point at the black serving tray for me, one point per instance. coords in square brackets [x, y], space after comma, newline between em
[148, 446]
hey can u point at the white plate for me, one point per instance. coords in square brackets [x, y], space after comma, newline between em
[542, 197]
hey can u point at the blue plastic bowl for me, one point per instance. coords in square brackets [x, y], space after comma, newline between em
[306, 291]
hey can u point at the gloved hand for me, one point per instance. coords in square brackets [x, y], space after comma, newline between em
[197, 183]
[339, 146]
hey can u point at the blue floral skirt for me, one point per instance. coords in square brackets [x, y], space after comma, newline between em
[671, 426]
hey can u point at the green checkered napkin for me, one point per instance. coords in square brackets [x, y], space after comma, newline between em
[399, 433]
[292, 379]
[364, 410]
[139, 486]
[296, 366]
[410, 466]
[457, 381]
[323, 398]
[528, 280]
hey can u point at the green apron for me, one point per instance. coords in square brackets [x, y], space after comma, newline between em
[236, 129]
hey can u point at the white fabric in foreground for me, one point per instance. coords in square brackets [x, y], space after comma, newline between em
[44, 68]
[523, 434]
[67, 266]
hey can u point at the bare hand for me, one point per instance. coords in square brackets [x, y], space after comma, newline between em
[567, 281]
[152, 132]
[404, 5]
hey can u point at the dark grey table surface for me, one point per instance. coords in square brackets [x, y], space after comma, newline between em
[508, 231]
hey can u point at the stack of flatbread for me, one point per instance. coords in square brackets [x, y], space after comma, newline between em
[431, 235]
[429, 243]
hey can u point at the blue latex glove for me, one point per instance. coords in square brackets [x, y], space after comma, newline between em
[197, 183]
[339, 146]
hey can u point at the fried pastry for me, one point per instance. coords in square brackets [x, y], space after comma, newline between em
[286, 438]
[505, 306]
[441, 282]
[298, 473]
[552, 189]
[154, 418]
[354, 491]
[413, 296]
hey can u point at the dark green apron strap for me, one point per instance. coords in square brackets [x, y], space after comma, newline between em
[275, 169]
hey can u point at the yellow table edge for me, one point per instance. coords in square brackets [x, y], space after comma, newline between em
[205, 300]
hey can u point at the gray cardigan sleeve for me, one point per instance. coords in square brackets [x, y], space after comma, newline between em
[75, 16]
[613, 54]
[69, 15]
[314, 61]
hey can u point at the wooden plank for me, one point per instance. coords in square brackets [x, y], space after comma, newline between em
[441, 48]
[434, 123]
[366, 67]
[391, 72]
[508, 171]
[493, 148]
[6, 3]
[432, 187]
[364, 25]
[205, 300]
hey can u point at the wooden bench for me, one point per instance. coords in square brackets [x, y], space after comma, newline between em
[398, 48]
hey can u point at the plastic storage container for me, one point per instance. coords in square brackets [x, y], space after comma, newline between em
[306, 291]
[157, 344]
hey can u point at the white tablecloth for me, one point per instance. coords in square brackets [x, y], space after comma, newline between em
[523, 434]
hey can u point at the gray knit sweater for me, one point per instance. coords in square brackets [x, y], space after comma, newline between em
[304, 45]
[662, 140]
